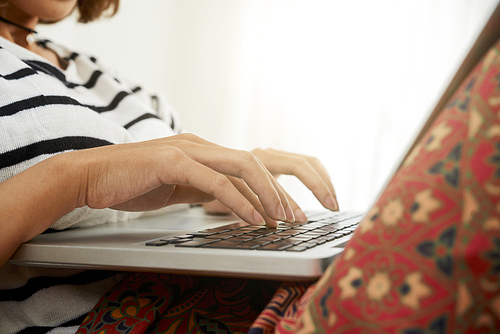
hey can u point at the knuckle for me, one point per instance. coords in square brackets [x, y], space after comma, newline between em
[258, 151]
[174, 153]
[299, 163]
[247, 157]
[220, 181]
[303, 160]
[189, 137]
[244, 154]
[313, 160]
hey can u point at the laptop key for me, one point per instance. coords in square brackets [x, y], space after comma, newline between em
[184, 236]
[305, 228]
[247, 245]
[297, 248]
[309, 244]
[272, 238]
[239, 238]
[285, 243]
[157, 243]
[330, 237]
[250, 228]
[256, 234]
[294, 224]
[265, 242]
[264, 232]
[201, 234]
[168, 238]
[328, 229]
[312, 234]
[300, 238]
[195, 243]
[273, 247]
[287, 232]
[324, 238]
[178, 241]
[221, 244]
[224, 235]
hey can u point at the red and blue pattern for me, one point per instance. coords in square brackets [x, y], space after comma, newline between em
[161, 303]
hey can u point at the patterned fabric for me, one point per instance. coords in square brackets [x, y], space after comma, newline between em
[426, 258]
[160, 303]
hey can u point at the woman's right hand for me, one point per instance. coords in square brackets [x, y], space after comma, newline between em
[137, 177]
[179, 169]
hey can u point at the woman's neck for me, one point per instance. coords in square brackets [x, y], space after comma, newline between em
[18, 29]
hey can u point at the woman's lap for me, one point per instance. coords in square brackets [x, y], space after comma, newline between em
[163, 303]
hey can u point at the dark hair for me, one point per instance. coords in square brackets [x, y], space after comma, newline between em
[90, 10]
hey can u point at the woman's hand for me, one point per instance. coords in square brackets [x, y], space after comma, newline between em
[138, 176]
[180, 169]
[308, 170]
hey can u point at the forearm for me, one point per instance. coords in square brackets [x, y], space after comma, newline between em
[33, 200]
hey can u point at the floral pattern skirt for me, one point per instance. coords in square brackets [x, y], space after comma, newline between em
[162, 303]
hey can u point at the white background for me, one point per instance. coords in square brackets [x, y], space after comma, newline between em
[347, 81]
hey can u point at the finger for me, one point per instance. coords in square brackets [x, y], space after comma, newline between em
[289, 215]
[190, 195]
[284, 197]
[288, 210]
[318, 166]
[186, 171]
[299, 215]
[216, 208]
[300, 167]
[240, 164]
[250, 195]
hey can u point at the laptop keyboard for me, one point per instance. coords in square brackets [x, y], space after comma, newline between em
[290, 237]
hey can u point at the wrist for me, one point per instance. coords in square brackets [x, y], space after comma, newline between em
[34, 199]
[70, 171]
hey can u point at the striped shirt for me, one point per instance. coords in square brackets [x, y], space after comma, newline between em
[46, 111]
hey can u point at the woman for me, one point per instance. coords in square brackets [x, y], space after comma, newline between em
[424, 260]
[80, 144]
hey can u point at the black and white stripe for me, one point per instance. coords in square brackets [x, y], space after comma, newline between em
[49, 146]
[46, 111]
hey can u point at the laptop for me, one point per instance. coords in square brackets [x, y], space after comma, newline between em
[186, 240]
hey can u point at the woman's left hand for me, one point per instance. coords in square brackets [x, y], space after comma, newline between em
[308, 170]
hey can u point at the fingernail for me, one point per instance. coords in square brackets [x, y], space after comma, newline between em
[281, 212]
[257, 218]
[272, 224]
[300, 216]
[290, 217]
[331, 203]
